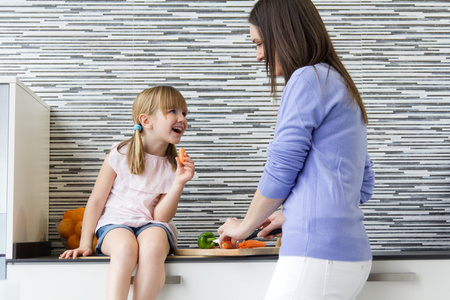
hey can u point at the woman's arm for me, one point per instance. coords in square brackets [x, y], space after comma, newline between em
[368, 181]
[260, 208]
[167, 206]
[94, 209]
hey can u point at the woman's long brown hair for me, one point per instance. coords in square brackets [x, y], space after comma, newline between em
[148, 102]
[294, 30]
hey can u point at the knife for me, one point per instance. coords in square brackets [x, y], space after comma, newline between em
[255, 234]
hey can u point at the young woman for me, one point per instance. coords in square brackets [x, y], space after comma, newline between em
[136, 196]
[317, 166]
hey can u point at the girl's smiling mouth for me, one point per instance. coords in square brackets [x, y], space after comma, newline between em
[177, 129]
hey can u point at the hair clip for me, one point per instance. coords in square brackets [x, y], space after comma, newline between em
[138, 127]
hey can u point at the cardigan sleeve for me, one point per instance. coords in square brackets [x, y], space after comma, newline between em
[301, 111]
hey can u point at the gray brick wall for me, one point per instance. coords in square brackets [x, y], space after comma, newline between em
[89, 59]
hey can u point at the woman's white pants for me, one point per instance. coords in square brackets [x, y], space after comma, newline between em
[305, 278]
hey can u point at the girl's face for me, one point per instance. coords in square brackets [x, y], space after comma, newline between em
[254, 34]
[168, 128]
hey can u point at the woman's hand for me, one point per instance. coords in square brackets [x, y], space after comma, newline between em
[260, 208]
[274, 221]
[233, 230]
[185, 171]
[84, 251]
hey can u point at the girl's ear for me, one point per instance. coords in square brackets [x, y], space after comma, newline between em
[145, 121]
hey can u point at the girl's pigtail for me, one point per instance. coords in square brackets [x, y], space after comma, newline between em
[135, 155]
[171, 154]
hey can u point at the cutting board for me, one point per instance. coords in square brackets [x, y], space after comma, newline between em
[227, 252]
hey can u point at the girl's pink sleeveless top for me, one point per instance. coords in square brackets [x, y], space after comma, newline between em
[133, 197]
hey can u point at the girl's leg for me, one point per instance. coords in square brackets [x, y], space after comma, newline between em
[121, 245]
[150, 274]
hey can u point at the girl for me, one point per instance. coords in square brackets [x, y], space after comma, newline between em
[136, 195]
[317, 165]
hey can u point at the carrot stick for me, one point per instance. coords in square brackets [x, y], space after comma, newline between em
[251, 244]
[227, 245]
[181, 155]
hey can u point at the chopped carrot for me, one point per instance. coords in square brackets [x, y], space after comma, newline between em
[227, 245]
[181, 155]
[251, 244]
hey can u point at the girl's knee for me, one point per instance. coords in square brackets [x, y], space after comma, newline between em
[157, 249]
[126, 251]
[154, 251]
[153, 242]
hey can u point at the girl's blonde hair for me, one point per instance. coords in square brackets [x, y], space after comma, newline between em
[148, 102]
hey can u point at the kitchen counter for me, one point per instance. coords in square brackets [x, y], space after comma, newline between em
[395, 275]
[387, 255]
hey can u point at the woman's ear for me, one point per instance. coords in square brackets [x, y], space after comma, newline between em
[145, 121]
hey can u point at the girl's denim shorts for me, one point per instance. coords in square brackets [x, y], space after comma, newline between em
[102, 231]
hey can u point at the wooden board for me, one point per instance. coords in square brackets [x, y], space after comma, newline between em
[227, 252]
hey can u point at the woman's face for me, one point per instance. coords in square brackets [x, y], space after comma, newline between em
[254, 34]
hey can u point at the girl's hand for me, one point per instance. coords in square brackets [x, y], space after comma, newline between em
[85, 251]
[185, 171]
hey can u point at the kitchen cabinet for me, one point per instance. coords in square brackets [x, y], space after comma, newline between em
[409, 280]
[24, 166]
[188, 280]
[222, 278]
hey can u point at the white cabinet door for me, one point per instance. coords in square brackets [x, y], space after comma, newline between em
[58, 281]
[408, 280]
[218, 281]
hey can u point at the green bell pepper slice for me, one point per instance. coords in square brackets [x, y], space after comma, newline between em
[205, 240]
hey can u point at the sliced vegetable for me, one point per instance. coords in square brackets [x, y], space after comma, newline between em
[251, 244]
[181, 155]
[205, 240]
[227, 245]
